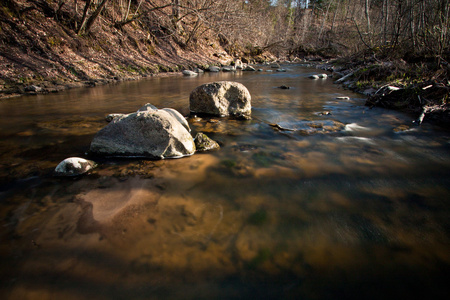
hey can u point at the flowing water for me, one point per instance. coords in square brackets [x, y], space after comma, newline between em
[349, 203]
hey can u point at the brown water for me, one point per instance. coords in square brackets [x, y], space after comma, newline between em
[351, 205]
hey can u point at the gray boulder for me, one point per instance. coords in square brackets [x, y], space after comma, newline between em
[150, 132]
[74, 166]
[222, 98]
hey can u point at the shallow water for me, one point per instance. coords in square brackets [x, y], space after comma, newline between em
[349, 203]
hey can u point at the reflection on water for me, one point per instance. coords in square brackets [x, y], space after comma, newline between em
[350, 203]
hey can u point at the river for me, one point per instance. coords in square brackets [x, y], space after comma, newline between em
[352, 203]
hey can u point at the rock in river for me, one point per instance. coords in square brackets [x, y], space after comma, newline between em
[189, 73]
[74, 166]
[204, 143]
[150, 132]
[222, 98]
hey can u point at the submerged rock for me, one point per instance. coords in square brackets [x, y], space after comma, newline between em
[150, 132]
[204, 143]
[74, 166]
[223, 98]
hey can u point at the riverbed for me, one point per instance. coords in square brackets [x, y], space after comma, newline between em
[338, 201]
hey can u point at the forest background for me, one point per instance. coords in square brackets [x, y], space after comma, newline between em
[55, 44]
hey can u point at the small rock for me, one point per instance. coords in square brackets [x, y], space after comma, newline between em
[214, 69]
[249, 68]
[325, 113]
[324, 76]
[284, 87]
[33, 88]
[74, 166]
[229, 69]
[281, 70]
[343, 98]
[111, 117]
[314, 76]
[189, 73]
[204, 143]
[239, 65]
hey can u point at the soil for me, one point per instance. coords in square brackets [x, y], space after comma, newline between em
[40, 52]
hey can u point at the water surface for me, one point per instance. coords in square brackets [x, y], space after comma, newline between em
[349, 203]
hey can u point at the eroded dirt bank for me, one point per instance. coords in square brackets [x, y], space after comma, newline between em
[40, 52]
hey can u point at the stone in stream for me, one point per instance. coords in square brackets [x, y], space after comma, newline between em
[229, 69]
[189, 73]
[249, 68]
[238, 64]
[214, 69]
[222, 98]
[149, 132]
[204, 143]
[74, 166]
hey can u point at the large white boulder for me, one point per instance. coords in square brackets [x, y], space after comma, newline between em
[149, 132]
[222, 98]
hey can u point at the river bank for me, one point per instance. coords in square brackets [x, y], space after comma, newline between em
[420, 87]
[41, 52]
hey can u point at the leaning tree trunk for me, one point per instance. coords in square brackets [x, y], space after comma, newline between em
[86, 26]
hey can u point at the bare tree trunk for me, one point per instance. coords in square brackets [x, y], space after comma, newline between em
[83, 18]
[324, 20]
[86, 26]
[366, 11]
[335, 14]
[125, 17]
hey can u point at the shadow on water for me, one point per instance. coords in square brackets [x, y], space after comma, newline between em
[344, 206]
